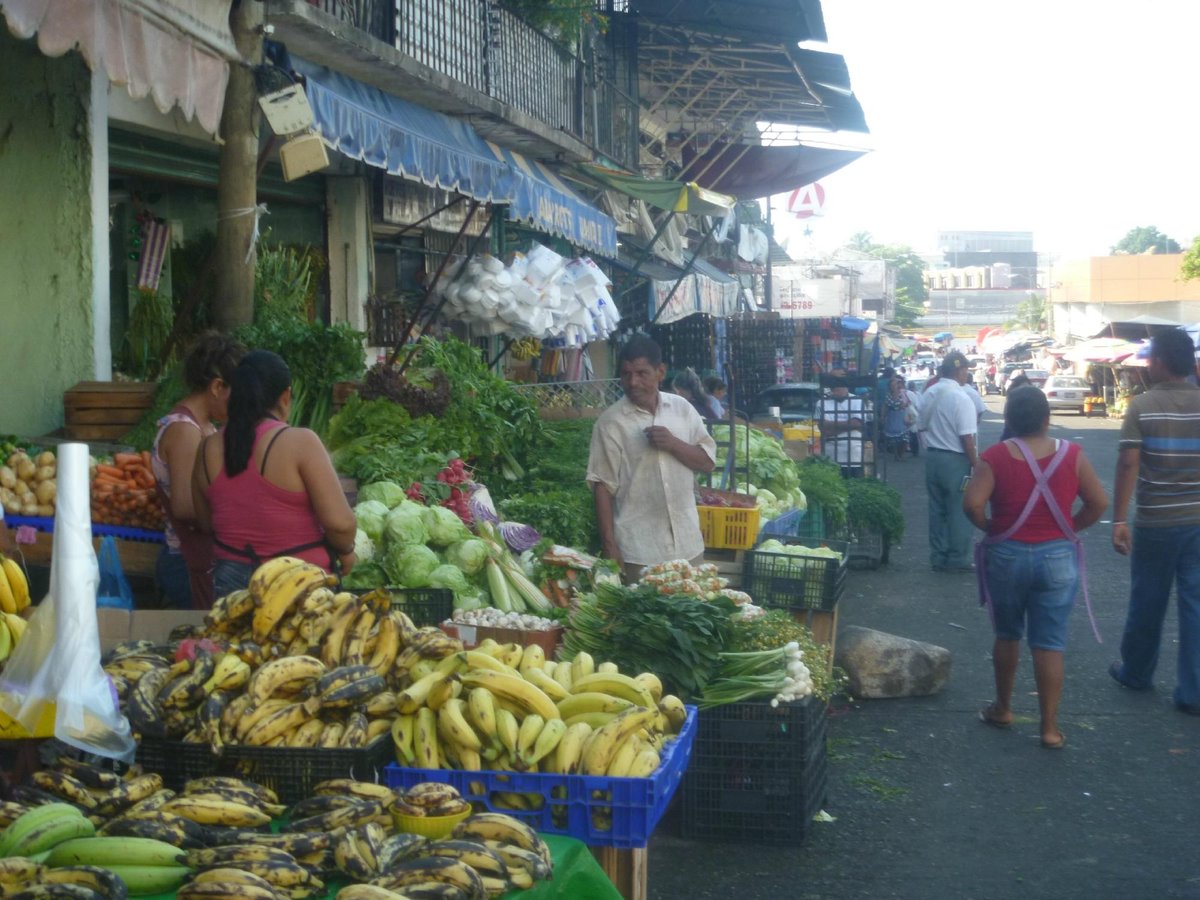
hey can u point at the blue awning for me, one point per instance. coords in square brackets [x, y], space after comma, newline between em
[542, 199]
[854, 323]
[365, 123]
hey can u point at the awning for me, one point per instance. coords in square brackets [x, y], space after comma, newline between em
[751, 172]
[542, 199]
[176, 51]
[703, 289]
[673, 196]
[854, 323]
[382, 130]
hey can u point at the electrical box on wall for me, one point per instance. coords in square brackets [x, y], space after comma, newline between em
[302, 155]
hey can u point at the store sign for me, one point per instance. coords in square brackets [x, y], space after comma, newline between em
[807, 201]
[807, 298]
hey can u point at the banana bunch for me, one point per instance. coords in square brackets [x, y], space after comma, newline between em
[14, 587]
[12, 629]
[43, 828]
[526, 348]
[430, 799]
[145, 866]
[256, 870]
[21, 877]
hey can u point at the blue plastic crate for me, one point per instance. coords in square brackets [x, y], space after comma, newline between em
[787, 525]
[600, 811]
[46, 524]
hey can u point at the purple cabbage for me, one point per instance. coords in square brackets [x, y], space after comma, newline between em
[519, 537]
[480, 505]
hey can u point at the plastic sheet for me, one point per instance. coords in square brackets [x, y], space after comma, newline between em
[58, 661]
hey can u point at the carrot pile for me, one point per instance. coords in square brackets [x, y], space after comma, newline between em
[123, 492]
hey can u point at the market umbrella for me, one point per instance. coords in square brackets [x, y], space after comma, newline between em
[944, 336]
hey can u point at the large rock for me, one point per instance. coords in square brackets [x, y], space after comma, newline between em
[882, 665]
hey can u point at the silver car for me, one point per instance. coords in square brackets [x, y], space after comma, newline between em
[1066, 392]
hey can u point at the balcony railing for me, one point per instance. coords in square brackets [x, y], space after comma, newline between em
[492, 50]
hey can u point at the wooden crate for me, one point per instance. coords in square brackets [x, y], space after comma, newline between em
[105, 410]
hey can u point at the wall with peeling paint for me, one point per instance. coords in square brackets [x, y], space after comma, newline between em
[45, 235]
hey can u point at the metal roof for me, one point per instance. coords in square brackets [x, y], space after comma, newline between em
[767, 20]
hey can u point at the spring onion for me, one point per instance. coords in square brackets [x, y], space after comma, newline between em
[749, 676]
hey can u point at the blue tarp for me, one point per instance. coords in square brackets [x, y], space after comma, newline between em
[853, 323]
[365, 123]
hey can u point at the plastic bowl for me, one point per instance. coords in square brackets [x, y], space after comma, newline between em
[432, 827]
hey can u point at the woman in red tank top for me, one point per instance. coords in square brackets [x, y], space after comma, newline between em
[265, 489]
[1030, 562]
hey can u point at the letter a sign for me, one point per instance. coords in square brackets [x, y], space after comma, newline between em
[808, 201]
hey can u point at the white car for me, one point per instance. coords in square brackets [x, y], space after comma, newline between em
[1066, 392]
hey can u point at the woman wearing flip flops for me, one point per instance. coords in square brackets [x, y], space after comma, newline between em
[1030, 562]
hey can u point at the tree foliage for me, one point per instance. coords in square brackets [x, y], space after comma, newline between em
[1145, 239]
[1191, 262]
[911, 292]
[1031, 313]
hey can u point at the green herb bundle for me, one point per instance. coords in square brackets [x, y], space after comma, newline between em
[875, 505]
[822, 481]
[679, 639]
[775, 629]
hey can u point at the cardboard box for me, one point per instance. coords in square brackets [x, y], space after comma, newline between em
[114, 627]
[157, 624]
[797, 450]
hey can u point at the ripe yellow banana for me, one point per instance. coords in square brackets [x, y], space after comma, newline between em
[425, 740]
[285, 673]
[672, 707]
[8, 602]
[570, 748]
[546, 684]
[283, 594]
[268, 572]
[645, 764]
[516, 690]
[17, 583]
[453, 726]
[604, 744]
[616, 684]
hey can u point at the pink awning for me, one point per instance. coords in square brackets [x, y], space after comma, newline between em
[176, 51]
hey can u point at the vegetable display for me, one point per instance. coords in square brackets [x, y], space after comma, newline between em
[679, 638]
[28, 484]
[123, 492]
[774, 482]
[823, 483]
[748, 676]
[776, 628]
[875, 505]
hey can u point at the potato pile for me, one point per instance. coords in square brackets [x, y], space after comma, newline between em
[27, 484]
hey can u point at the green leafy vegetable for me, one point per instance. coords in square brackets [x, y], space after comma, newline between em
[679, 639]
[875, 505]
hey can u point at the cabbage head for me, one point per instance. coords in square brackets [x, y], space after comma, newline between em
[405, 525]
[444, 526]
[410, 566]
[388, 493]
[468, 555]
[451, 578]
[370, 515]
[365, 575]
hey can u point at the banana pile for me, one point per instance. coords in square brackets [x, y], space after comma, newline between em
[507, 708]
[21, 877]
[303, 667]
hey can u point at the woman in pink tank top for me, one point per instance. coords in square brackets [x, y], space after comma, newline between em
[265, 489]
[184, 567]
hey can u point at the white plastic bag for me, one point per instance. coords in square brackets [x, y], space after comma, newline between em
[58, 660]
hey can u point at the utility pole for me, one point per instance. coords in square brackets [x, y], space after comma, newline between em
[237, 180]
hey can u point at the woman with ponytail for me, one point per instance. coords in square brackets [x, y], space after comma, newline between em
[264, 489]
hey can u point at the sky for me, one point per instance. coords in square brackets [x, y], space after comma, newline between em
[1073, 120]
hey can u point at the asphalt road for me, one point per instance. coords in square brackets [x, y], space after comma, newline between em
[930, 803]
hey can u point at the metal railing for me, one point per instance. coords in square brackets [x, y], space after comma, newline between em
[489, 48]
[573, 395]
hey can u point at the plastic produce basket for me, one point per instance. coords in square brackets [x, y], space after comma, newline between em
[758, 774]
[600, 811]
[425, 606]
[727, 528]
[292, 772]
[813, 523]
[867, 548]
[784, 581]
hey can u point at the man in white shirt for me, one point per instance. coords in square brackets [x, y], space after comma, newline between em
[949, 422]
[840, 416]
[645, 450]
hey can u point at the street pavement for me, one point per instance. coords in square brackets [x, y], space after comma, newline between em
[930, 803]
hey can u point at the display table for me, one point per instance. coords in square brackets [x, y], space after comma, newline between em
[137, 548]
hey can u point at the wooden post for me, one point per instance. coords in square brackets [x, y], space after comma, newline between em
[823, 625]
[626, 869]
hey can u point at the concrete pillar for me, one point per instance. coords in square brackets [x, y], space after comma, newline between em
[351, 250]
[101, 299]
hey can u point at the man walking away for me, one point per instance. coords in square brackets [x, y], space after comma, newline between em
[949, 422]
[840, 416]
[1160, 453]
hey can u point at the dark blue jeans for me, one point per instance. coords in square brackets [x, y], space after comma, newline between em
[1162, 557]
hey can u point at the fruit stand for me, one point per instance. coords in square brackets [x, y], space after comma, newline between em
[469, 666]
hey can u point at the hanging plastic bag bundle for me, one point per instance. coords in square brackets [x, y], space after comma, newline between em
[58, 660]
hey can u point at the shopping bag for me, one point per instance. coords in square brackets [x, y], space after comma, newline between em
[57, 662]
[114, 591]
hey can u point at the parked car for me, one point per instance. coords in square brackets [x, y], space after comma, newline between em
[797, 402]
[1037, 377]
[1066, 392]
